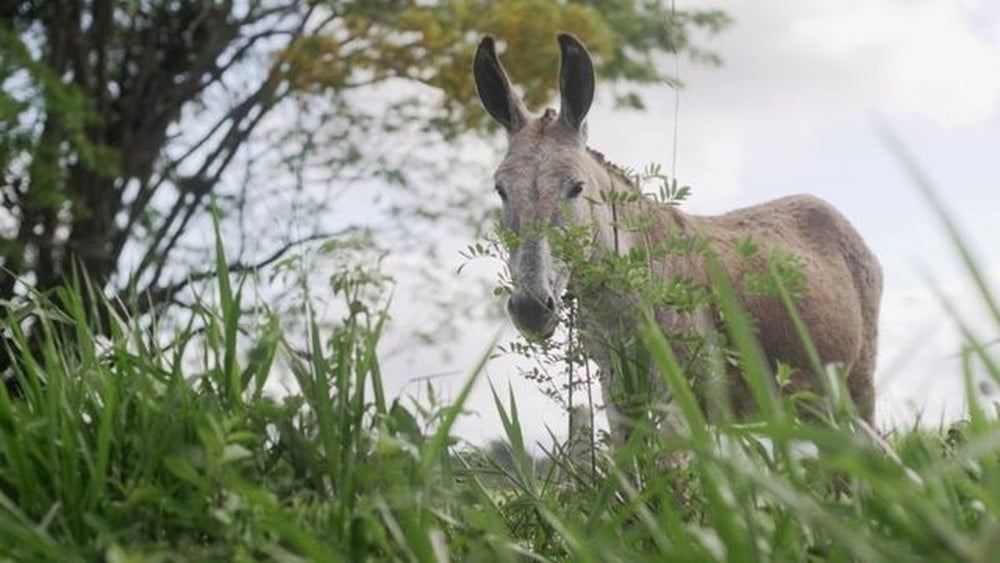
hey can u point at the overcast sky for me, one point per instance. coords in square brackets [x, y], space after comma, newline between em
[795, 108]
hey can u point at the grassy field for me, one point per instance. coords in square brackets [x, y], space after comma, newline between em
[129, 445]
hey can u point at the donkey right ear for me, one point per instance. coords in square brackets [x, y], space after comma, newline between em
[494, 89]
[576, 81]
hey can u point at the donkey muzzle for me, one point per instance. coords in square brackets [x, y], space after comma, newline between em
[533, 315]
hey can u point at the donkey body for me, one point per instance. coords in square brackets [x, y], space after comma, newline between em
[550, 180]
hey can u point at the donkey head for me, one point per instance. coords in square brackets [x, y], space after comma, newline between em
[542, 178]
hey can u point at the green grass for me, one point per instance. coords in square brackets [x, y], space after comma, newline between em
[138, 446]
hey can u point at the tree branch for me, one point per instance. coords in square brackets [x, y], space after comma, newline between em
[147, 191]
[207, 179]
[154, 298]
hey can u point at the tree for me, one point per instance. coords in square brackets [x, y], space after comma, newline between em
[121, 120]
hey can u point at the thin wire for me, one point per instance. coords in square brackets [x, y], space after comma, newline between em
[592, 440]
[677, 93]
[569, 368]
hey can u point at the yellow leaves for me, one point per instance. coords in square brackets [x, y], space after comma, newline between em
[311, 64]
[357, 24]
[428, 24]
[528, 28]
[433, 43]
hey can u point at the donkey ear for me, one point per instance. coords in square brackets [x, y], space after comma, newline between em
[494, 89]
[576, 81]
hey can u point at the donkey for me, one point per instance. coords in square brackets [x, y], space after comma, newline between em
[549, 182]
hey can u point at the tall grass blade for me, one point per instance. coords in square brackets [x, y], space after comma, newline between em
[439, 440]
[229, 304]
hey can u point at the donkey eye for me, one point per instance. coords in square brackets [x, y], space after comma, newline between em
[575, 190]
[501, 192]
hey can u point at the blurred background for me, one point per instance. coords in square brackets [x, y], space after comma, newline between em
[331, 134]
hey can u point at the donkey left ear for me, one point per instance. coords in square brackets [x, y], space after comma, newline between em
[576, 81]
[494, 88]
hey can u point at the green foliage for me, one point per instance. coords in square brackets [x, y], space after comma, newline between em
[128, 448]
[32, 90]
[781, 270]
[661, 187]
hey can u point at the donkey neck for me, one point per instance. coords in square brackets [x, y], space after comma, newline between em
[625, 218]
[627, 223]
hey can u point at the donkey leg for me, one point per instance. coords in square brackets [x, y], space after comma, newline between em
[861, 382]
[618, 422]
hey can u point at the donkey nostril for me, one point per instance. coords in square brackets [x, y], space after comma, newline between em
[550, 304]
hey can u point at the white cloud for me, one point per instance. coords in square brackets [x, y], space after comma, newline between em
[799, 69]
[933, 59]
[921, 58]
